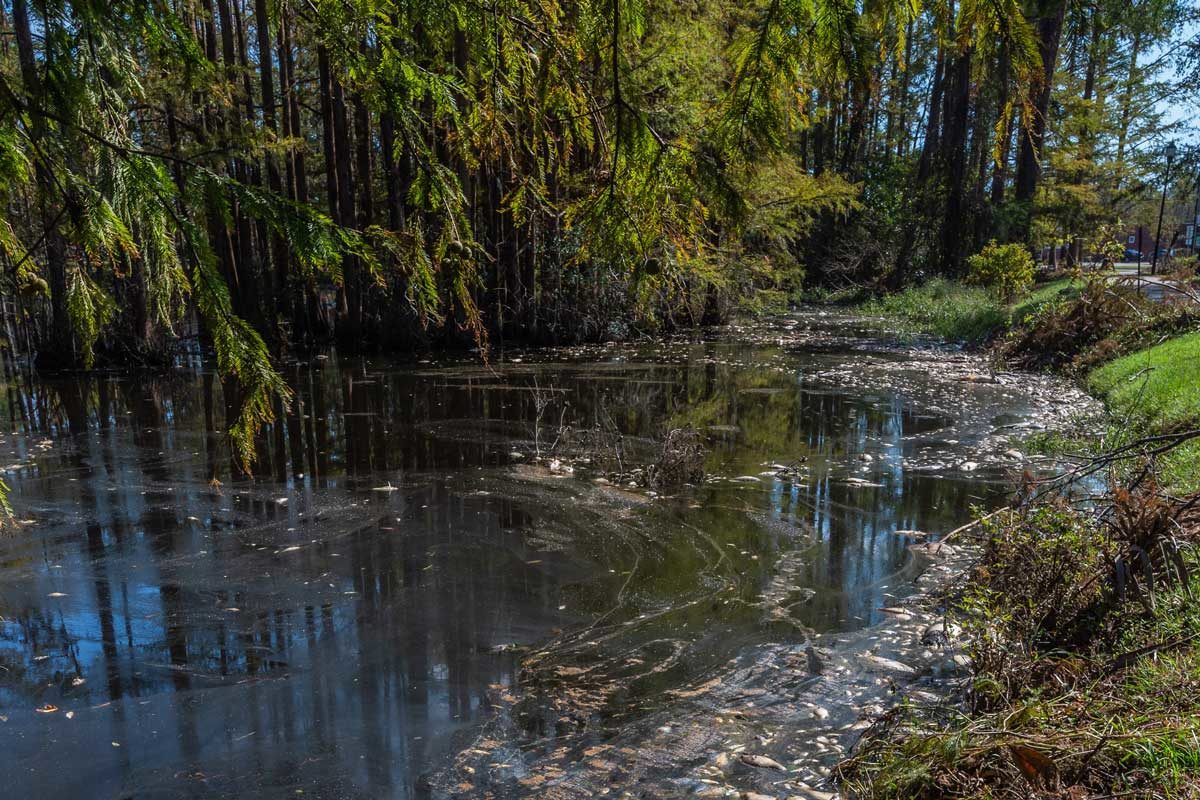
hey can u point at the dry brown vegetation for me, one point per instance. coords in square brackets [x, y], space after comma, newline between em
[1106, 320]
[1085, 677]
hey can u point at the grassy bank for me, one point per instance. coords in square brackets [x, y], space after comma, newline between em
[1081, 620]
[961, 313]
[1156, 391]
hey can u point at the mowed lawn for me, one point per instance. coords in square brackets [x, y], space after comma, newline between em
[1157, 390]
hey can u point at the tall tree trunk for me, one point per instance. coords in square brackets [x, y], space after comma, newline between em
[366, 210]
[329, 144]
[1127, 94]
[905, 83]
[918, 210]
[349, 333]
[60, 350]
[279, 255]
[235, 240]
[304, 298]
[1004, 134]
[1086, 134]
[1029, 152]
[954, 153]
[933, 122]
[394, 182]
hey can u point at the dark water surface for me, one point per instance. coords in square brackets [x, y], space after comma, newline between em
[339, 625]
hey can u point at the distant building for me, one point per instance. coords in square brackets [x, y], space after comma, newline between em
[1178, 239]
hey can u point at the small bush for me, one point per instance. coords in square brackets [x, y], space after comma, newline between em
[1006, 269]
[680, 460]
[1033, 591]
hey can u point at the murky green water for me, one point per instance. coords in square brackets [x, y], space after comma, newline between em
[425, 541]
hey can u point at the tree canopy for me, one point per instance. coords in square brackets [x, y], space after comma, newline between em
[391, 174]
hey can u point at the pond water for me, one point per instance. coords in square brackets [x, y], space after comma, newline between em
[427, 544]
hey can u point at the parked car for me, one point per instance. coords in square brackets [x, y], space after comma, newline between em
[1131, 254]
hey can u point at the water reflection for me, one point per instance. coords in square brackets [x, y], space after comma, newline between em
[337, 624]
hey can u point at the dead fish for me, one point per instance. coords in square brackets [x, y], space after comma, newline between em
[940, 633]
[762, 762]
[863, 484]
[887, 665]
[912, 534]
[817, 794]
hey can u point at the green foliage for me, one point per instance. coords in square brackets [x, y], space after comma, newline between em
[1034, 589]
[953, 311]
[91, 309]
[6, 512]
[1006, 269]
[242, 356]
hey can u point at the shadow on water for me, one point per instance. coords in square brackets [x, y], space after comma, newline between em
[339, 624]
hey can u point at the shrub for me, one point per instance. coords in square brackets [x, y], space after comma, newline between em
[680, 460]
[1006, 269]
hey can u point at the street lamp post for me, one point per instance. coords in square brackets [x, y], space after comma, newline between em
[1196, 220]
[1169, 152]
[1139, 248]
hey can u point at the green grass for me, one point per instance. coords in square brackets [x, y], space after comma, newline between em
[961, 313]
[1041, 296]
[950, 310]
[1157, 390]
[1158, 385]
[1162, 691]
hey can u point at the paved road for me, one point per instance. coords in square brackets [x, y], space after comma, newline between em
[1155, 287]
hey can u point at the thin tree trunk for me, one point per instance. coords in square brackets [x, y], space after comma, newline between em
[366, 211]
[329, 143]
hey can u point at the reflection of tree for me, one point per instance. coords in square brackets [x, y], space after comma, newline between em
[384, 649]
